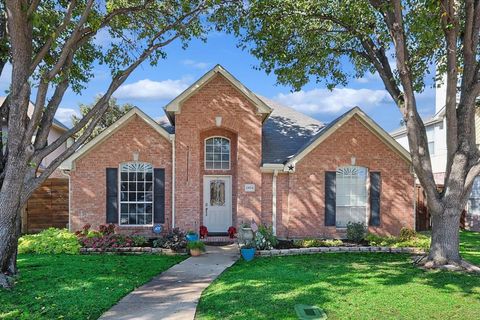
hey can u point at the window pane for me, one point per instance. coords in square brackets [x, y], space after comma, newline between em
[148, 218]
[132, 196]
[132, 219]
[217, 193]
[217, 151]
[351, 195]
[135, 177]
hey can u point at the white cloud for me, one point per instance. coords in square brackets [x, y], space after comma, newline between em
[317, 101]
[149, 89]
[196, 64]
[64, 115]
[6, 77]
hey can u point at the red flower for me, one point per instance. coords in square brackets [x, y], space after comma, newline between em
[231, 232]
[203, 232]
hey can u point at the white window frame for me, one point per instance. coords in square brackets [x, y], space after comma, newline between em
[120, 202]
[221, 161]
[431, 140]
[367, 195]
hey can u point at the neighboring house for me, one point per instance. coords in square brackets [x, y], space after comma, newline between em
[228, 156]
[48, 206]
[437, 144]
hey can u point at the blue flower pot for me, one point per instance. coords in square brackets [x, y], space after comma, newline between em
[248, 254]
[192, 237]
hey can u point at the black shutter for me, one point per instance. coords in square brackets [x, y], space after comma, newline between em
[112, 195]
[330, 198]
[375, 184]
[159, 195]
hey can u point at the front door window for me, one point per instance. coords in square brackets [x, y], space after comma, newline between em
[217, 193]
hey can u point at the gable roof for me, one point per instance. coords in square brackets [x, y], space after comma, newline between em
[175, 105]
[56, 123]
[68, 164]
[436, 118]
[337, 123]
[285, 131]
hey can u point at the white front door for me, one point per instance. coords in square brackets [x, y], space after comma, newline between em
[217, 203]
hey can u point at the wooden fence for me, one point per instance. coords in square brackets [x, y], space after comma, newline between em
[422, 216]
[47, 207]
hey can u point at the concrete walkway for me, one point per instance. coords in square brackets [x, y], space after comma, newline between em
[174, 294]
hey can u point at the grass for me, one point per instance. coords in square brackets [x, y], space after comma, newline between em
[346, 286]
[76, 286]
[470, 246]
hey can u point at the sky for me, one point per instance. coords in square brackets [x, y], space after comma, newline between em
[151, 88]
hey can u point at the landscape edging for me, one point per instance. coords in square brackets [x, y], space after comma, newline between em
[295, 251]
[131, 250]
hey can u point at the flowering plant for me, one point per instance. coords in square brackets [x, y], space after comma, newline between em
[231, 232]
[203, 232]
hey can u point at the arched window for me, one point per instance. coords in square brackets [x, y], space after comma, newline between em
[217, 153]
[351, 195]
[136, 193]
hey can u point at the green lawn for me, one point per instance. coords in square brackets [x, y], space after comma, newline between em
[346, 286]
[470, 246]
[76, 286]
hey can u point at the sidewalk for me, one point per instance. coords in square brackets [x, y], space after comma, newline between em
[174, 294]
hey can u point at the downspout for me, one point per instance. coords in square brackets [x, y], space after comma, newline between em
[173, 180]
[274, 202]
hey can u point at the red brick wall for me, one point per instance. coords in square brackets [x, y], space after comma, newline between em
[300, 202]
[88, 178]
[197, 120]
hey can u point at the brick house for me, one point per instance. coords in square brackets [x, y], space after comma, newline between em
[228, 156]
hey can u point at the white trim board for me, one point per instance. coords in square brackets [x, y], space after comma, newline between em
[174, 106]
[367, 122]
[68, 164]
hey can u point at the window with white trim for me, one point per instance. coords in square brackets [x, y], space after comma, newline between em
[474, 199]
[136, 193]
[217, 153]
[431, 140]
[351, 195]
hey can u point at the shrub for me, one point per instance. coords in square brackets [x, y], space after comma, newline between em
[139, 241]
[175, 240]
[265, 239]
[49, 241]
[196, 245]
[310, 243]
[419, 241]
[356, 231]
[407, 234]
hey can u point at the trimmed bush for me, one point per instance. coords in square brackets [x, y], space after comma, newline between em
[49, 241]
[356, 231]
[175, 240]
[310, 243]
[407, 234]
[419, 241]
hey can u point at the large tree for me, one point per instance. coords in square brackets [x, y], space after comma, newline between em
[114, 112]
[333, 41]
[55, 45]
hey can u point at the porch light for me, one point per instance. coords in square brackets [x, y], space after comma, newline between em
[218, 121]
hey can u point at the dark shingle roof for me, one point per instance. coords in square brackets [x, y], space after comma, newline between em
[285, 132]
[165, 124]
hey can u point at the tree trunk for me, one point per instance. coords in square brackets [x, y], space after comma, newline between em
[10, 226]
[444, 248]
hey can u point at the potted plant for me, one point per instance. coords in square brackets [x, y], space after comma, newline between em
[248, 251]
[191, 235]
[196, 248]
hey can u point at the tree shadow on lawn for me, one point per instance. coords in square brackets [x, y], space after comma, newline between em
[76, 286]
[346, 285]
